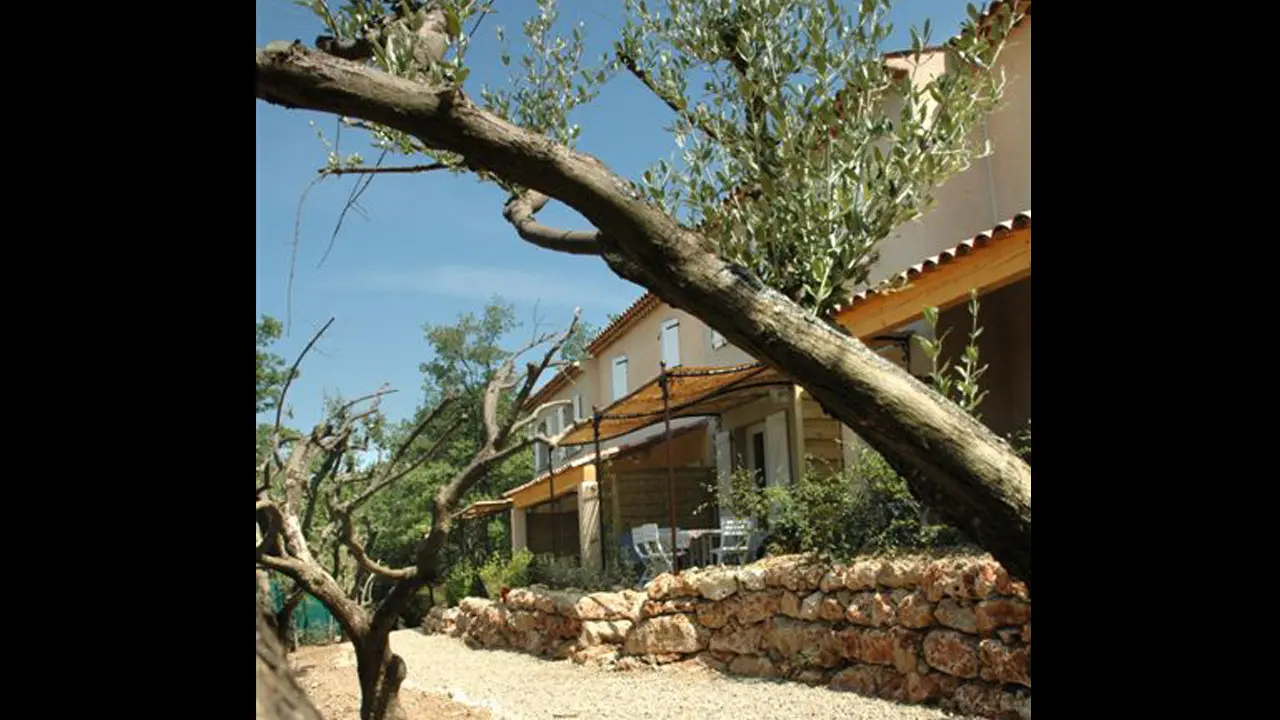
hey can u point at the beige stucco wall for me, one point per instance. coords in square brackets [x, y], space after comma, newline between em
[991, 190]
[642, 345]
[1011, 127]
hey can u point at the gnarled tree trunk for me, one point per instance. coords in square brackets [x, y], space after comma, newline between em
[279, 696]
[381, 674]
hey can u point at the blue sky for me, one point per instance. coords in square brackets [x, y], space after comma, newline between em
[433, 246]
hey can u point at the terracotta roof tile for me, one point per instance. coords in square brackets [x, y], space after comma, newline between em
[983, 239]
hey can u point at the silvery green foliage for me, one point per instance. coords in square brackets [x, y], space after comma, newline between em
[798, 149]
[550, 81]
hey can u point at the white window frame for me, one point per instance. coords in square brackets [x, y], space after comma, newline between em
[540, 449]
[672, 325]
[618, 393]
[578, 415]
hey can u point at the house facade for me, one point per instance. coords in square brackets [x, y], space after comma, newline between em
[726, 415]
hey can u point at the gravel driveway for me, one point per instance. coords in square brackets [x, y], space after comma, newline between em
[521, 687]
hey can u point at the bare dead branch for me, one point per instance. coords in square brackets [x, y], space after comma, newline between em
[519, 445]
[483, 14]
[387, 482]
[287, 565]
[328, 469]
[492, 397]
[293, 254]
[384, 390]
[521, 424]
[422, 426]
[535, 371]
[359, 189]
[284, 391]
[348, 538]
[404, 169]
[520, 210]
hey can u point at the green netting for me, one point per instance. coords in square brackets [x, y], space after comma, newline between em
[311, 623]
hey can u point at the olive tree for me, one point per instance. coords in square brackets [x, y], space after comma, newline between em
[320, 467]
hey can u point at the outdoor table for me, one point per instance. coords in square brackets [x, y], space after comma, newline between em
[694, 543]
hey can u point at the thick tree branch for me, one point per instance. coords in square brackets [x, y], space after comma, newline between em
[324, 588]
[950, 460]
[520, 210]
[274, 522]
[326, 470]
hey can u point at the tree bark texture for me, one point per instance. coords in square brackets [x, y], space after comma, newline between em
[279, 695]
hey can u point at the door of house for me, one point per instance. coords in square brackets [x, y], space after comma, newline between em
[756, 451]
[768, 451]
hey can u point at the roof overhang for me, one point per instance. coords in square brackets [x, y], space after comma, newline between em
[693, 392]
[482, 508]
[986, 262]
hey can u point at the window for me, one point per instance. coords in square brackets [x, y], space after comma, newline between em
[540, 450]
[717, 340]
[553, 428]
[562, 454]
[577, 408]
[671, 342]
[757, 464]
[619, 376]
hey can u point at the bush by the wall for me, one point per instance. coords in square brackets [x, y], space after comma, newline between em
[499, 572]
[864, 508]
[558, 573]
[458, 583]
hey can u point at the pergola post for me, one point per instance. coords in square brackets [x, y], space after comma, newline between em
[595, 437]
[551, 500]
[665, 381]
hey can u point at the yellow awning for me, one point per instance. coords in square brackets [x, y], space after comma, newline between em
[694, 391]
[482, 508]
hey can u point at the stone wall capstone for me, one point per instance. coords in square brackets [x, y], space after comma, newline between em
[952, 631]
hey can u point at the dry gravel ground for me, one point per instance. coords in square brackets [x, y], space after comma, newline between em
[513, 686]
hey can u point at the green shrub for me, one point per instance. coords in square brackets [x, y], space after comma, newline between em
[568, 573]
[499, 572]
[458, 583]
[865, 508]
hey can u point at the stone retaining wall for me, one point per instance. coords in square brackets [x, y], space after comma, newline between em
[952, 631]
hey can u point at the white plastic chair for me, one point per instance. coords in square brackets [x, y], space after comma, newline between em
[735, 540]
[648, 545]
